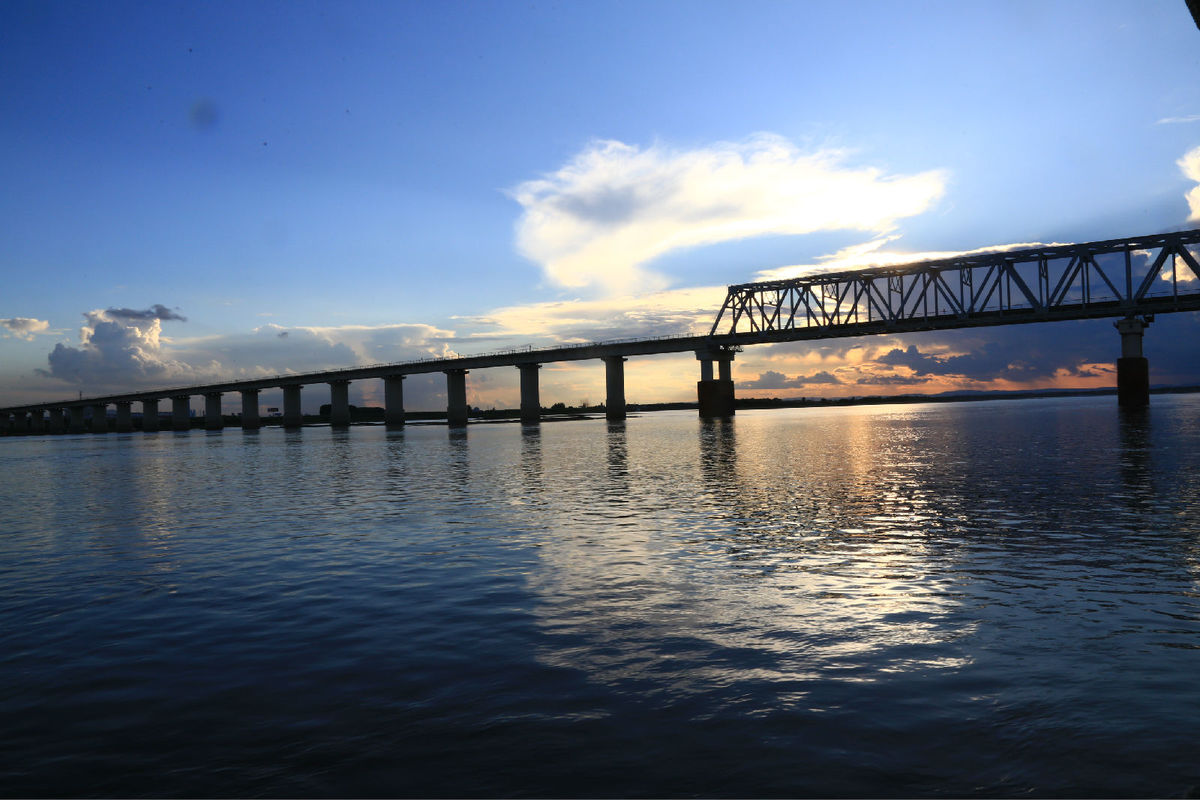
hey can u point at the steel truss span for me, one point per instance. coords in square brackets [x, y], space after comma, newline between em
[1119, 277]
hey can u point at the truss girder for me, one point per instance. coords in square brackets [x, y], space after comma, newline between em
[1117, 277]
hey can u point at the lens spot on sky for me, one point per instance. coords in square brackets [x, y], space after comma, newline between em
[204, 114]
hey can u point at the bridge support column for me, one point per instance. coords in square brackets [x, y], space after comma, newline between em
[614, 387]
[715, 395]
[250, 419]
[149, 416]
[37, 421]
[1133, 370]
[100, 418]
[531, 404]
[339, 404]
[181, 412]
[212, 412]
[393, 401]
[20, 422]
[76, 416]
[56, 421]
[456, 398]
[292, 415]
[124, 416]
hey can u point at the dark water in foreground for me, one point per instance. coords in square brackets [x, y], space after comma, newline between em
[993, 598]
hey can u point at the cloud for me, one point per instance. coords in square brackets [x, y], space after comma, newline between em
[770, 379]
[602, 218]
[24, 327]
[1190, 166]
[988, 362]
[156, 311]
[671, 312]
[115, 346]
[891, 380]
[920, 363]
[123, 349]
[872, 254]
[1178, 120]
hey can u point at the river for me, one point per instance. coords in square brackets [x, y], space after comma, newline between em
[988, 598]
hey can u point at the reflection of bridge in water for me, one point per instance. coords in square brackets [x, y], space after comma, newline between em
[1132, 279]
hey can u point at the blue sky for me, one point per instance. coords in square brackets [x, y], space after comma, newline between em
[309, 185]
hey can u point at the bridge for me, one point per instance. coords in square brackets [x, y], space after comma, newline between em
[1132, 279]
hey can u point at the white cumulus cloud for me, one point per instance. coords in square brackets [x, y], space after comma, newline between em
[117, 346]
[23, 327]
[599, 220]
[1190, 165]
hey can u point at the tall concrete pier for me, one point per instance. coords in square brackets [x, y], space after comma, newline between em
[614, 387]
[124, 416]
[339, 404]
[293, 417]
[456, 397]
[150, 415]
[181, 412]
[212, 412]
[1133, 369]
[100, 418]
[250, 417]
[393, 401]
[715, 395]
[531, 404]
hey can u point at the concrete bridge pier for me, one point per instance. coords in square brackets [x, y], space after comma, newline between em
[715, 395]
[36, 419]
[20, 422]
[149, 416]
[250, 418]
[181, 412]
[1133, 370]
[339, 404]
[76, 416]
[212, 412]
[614, 387]
[293, 417]
[456, 398]
[100, 418]
[393, 401]
[124, 416]
[531, 404]
[56, 421]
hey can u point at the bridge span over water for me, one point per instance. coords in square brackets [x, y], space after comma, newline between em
[1131, 279]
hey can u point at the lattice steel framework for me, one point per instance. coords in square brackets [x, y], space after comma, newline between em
[1118, 277]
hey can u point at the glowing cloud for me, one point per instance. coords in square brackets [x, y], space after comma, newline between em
[1190, 165]
[873, 254]
[600, 219]
[672, 312]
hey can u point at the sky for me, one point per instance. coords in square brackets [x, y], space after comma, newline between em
[213, 191]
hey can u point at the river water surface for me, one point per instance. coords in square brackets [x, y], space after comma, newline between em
[992, 598]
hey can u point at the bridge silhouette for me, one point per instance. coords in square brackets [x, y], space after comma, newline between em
[1133, 279]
